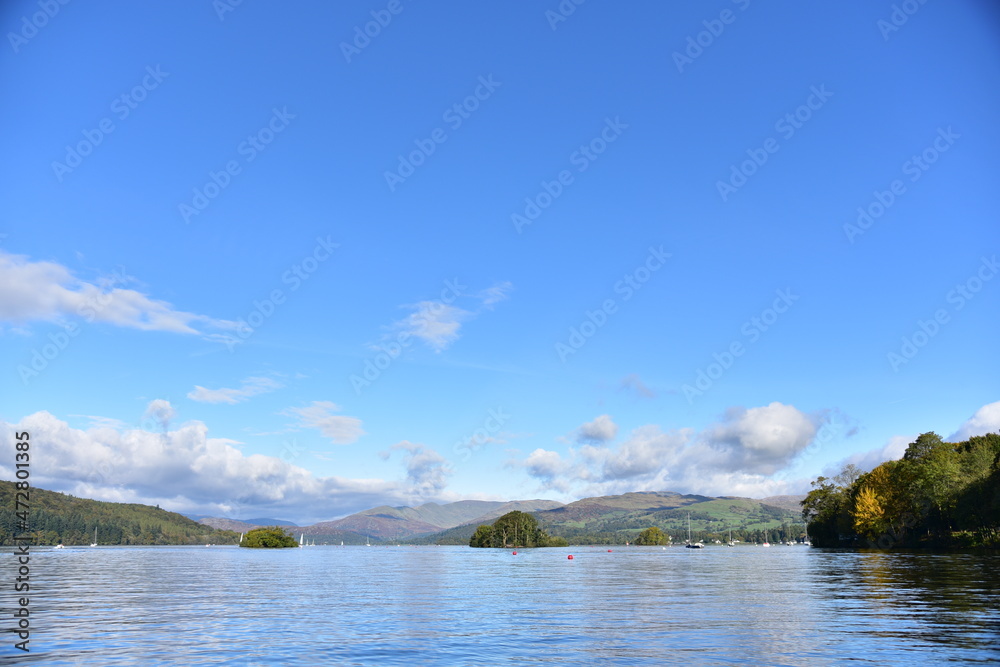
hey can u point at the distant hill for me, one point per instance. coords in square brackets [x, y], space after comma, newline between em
[402, 523]
[55, 517]
[238, 525]
[598, 520]
[617, 519]
[271, 522]
[793, 503]
[227, 524]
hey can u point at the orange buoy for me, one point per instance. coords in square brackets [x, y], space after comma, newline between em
[569, 557]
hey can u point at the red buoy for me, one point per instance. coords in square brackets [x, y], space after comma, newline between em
[515, 553]
[569, 557]
[609, 550]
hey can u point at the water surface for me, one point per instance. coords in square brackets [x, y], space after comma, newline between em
[784, 605]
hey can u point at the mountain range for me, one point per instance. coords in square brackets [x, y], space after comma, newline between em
[599, 519]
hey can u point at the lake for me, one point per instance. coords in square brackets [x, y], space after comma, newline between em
[783, 605]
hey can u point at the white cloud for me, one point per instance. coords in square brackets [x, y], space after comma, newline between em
[340, 429]
[893, 449]
[437, 323]
[185, 470]
[47, 291]
[736, 456]
[427, 472]
[602, 429]
[986, 420]
[760, 440]
[252, 386]
[544, 463]
[497, 292]
[161, 412]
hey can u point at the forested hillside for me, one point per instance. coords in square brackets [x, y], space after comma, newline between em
[56, 517]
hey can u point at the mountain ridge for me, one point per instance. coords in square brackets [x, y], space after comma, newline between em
[595, 515]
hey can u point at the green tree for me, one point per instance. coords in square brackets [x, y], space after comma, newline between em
[483, 537]
[513, 529]
[272, 537]
[651, 537]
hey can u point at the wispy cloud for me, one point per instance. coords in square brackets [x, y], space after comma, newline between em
[435, 323]
[252, 386]
[438, 323]
[631, 383]
[340, 429]
[496, 293]
[47, 291]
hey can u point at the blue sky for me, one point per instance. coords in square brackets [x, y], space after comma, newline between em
[719, 248]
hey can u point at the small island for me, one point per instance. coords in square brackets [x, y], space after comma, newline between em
[272, 537]
[514, 529]
[652, 536]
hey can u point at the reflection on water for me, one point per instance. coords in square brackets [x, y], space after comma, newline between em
[453, 605]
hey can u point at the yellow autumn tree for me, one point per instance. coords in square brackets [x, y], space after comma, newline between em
[868, 514]
[871, 511]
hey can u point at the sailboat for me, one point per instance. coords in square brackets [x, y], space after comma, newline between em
[765, 540]
[730, 543]
[689, 544]
[95, 537]
[301, 537]
[241, 538]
